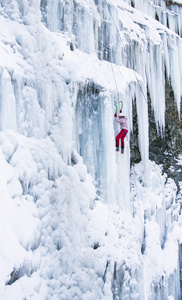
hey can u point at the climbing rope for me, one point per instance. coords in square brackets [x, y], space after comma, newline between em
[115, 81]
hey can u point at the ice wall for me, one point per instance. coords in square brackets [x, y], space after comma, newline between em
[50, 84]
[65, 64]
[115, 35]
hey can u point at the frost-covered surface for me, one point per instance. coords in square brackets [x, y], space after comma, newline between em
[58, 243]
[167, 12]
[75, 224]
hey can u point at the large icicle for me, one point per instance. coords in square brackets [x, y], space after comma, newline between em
[175, 63]
[142, 113]
[156, 83]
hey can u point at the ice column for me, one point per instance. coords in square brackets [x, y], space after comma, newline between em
[58, 14]
[7, 102]
[89, 132]
[73, 18]
[109, 147]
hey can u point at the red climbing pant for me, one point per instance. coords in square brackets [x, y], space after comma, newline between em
[121, 136]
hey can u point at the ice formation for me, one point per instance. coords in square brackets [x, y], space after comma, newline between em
[77, 222]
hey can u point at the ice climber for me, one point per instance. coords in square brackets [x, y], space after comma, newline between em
[122, 120]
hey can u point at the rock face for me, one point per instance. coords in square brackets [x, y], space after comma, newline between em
[171, 2]
[134, 147]
[173, 131]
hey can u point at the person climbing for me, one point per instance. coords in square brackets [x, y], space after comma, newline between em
[122, 120]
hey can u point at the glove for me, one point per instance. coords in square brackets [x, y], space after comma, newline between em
[115, 115]
[120, 111]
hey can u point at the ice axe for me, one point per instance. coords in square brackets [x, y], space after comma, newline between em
[116, 108]
[121, 106]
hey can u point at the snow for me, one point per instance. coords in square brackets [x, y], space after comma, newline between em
[67, 235]
[76, 220]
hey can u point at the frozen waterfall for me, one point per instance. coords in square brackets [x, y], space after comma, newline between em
[77, 219]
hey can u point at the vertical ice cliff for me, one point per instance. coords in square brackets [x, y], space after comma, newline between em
[94, 227]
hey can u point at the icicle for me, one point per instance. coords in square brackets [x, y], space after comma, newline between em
[178, 10]
[142, 113]
[54, 15]
[174, 69]
[164, 37]
[156, 83]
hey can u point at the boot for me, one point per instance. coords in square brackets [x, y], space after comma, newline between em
[122, 150]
